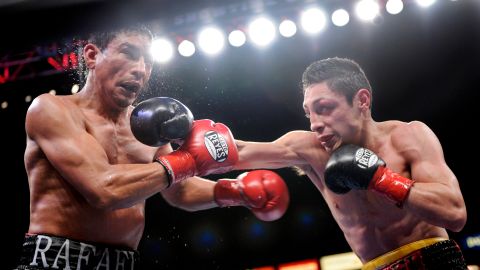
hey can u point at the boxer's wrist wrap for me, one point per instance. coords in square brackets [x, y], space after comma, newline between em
[178, 165]
[394, 186]
[167, 171]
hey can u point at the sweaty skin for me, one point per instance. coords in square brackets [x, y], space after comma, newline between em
[88, 176]
[372, 224]
[57, 207]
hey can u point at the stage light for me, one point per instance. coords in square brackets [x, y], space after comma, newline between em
[394, 6]
[425, 3]
[75, 88]
[340, 17]
[207, 238]
[161, 50]
[264, 268]
[287, 28]
[237, 38]
[313, 20]
[261, 31]
[52, 92]
[211, 40]
[367, 10]
[256, 229]
[346, 260]
[28, 99]
[307, 219]
[186, 48]
[4, 105]
[311, 264]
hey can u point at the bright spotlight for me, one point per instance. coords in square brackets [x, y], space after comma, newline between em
[394, 6]
[237, 38]
[161, 50]
[426, 3]
[367, 10]
[186, 48]
[4, 105]
[340, 17]
[287, 28]
[28, 98]
[313, 20]
[261, 31]
[52, 92]
[211, 40]
[75, 88]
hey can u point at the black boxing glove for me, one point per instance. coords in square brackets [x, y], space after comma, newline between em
[159, 120]
[354, 167]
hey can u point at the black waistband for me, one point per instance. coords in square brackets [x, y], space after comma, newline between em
[52, 252]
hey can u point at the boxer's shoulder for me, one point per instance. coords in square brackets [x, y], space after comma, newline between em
[300, 138]
[302, 142]
[408, 133]
[307, 145]
[47, 109]
[396, 127]
[48, 102]
[413, 140]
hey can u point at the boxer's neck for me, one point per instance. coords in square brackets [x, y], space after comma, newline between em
[368, 134]
[92, 98]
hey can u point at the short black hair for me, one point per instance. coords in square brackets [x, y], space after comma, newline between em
[101, 39]
[342, 75]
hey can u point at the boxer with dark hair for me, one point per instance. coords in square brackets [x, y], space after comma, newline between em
[386, 183]
[89, 176]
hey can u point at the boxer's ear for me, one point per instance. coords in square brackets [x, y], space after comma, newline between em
[90, 52]
[362, 99]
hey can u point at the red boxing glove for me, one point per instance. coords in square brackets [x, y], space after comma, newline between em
[263, 192]
[394, 186]
[209, 148]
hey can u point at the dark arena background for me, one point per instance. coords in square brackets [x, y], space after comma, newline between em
[423, 64]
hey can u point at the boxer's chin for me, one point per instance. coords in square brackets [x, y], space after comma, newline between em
[332, 144]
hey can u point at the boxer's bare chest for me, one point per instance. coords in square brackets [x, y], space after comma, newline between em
[358, 199]
[117, 140]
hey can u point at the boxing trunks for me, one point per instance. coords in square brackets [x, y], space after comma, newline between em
[51, 252]
[427, 254]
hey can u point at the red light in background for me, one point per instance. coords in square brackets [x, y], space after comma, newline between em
[54, 63]
[264, 268]
[6, 75]
[73, 60]
[69, 60]
[300, 265]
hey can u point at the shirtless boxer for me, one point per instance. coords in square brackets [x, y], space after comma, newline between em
[89, 177]
[393, 217]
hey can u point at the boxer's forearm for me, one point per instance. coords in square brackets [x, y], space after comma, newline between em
[192, 194]
[266, 155]
[124, 185]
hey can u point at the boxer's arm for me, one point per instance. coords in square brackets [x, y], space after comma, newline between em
[289, 150]
[436, 195]
[192, 194]
[80, 159]
[263, 192]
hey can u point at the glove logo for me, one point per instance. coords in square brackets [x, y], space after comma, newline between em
[216, 146]
[365, 158]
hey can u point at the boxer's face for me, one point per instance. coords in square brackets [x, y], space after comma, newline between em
[331, 116]
[124, 68]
